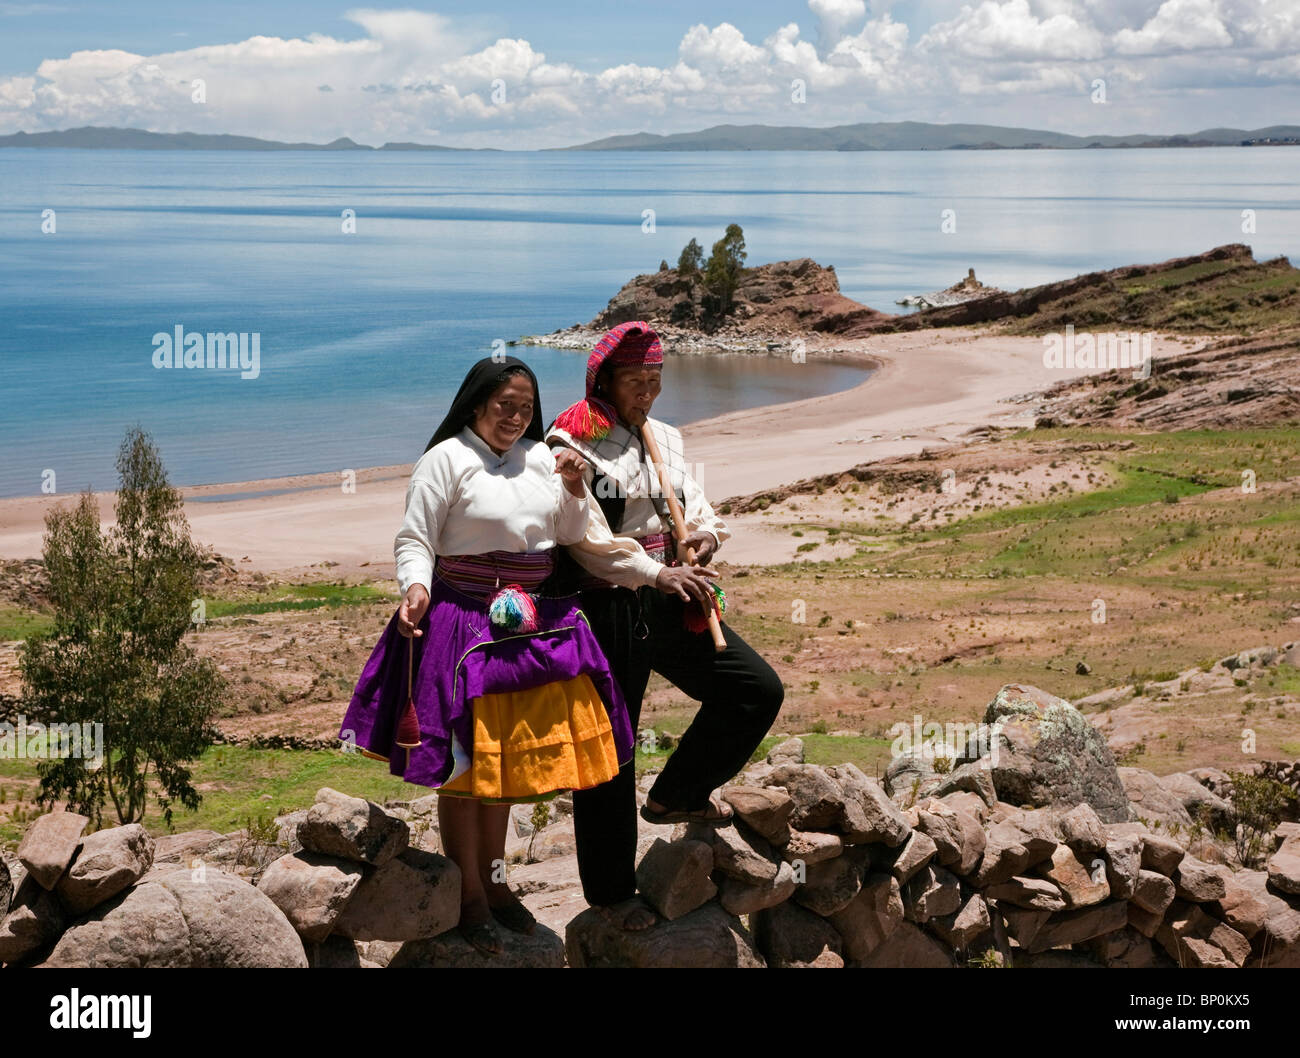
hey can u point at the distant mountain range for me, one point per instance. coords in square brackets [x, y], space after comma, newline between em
[920, 136]
[139, 140]
[875, 136]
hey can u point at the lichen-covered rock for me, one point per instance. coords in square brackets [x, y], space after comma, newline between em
[1043, 751]
[1198, 882]
[1123, 856]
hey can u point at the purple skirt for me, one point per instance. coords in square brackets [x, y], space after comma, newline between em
[459, 657]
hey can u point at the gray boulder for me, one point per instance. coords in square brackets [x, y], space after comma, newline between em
[1151, 800]
[412, 897]
[35, 919]
[352, 828]
[182, 918]
[49, 845]
[108, 862]
[1042, 751]
[311, 890]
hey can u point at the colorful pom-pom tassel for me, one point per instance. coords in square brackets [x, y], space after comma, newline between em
[512, 610]
[586, 420]
[697, 620]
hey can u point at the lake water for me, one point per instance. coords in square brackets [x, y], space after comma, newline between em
[364, 337]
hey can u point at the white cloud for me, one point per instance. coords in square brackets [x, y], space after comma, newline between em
[1010, 31]
[414, 75]
[1179, 25]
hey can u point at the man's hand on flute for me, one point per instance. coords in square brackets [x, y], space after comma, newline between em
[689, 582]
[704, 546]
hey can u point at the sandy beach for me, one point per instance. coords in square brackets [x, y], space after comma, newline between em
[930, 387]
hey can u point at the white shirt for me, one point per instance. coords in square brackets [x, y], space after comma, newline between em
[464, 499]
[617, 557]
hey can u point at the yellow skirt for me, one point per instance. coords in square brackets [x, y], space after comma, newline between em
[530, 745]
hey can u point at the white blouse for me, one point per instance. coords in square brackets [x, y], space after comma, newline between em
[464, 499]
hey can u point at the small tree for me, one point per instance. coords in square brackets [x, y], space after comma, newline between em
[691, 260]
[722, 272]
[1257, 803]
[114, 656]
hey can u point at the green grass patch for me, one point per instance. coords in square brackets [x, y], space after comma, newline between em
[290, 597]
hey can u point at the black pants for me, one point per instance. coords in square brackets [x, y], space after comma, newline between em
[739, 698]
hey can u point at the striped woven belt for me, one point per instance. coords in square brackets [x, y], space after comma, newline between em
[657, 545]
[481, 575]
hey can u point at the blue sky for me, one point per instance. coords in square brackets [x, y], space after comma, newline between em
[517, 74]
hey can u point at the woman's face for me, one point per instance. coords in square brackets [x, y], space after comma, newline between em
[504, 417]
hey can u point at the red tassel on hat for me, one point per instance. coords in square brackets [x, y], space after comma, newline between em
[586, 421]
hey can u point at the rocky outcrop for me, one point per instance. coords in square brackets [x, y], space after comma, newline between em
[783, 297]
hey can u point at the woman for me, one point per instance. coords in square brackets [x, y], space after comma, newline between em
[485, 685]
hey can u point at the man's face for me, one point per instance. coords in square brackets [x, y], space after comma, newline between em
[632, 391]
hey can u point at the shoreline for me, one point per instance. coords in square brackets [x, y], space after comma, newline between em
[927, 389]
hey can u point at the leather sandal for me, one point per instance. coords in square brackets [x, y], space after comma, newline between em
[715, 815]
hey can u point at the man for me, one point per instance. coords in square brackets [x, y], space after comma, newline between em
[635, 599]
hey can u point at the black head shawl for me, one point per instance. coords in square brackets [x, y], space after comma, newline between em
[477, 387]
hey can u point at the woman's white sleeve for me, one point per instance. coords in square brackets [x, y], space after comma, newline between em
[428, 498]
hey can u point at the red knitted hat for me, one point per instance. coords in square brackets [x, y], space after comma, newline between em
[632, 344]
